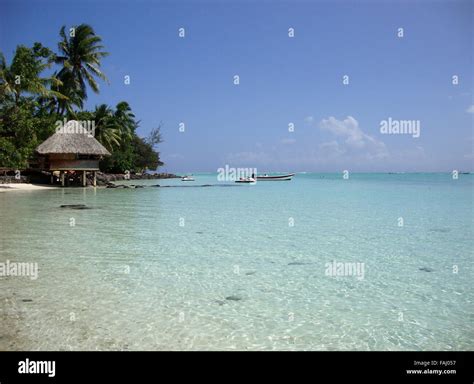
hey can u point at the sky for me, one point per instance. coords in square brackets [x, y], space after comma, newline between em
[409, 62]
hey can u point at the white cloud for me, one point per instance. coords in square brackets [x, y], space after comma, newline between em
[355, 143]
[346, 146]
[470, 109]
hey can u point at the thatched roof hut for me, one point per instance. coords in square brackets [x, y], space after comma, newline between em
[70, 150]
[72, 138]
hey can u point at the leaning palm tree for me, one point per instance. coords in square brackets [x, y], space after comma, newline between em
[80, 56]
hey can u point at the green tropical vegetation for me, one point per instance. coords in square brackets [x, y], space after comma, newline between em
[31, 102]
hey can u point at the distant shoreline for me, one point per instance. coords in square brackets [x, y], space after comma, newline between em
[40, 181]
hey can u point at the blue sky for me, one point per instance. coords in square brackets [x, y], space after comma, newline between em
[283, 80]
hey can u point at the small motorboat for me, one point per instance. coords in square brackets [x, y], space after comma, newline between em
[246, 180]
[187, 178]
[275, 177]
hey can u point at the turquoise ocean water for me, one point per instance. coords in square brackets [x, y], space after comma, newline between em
[243, 266]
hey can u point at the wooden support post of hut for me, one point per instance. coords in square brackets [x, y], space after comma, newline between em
[72, 149]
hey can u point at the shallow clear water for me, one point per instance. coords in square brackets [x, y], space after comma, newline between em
[243, 266]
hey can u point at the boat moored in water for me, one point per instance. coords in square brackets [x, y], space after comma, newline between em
[246, 180]
[187, 178]
[275, 177]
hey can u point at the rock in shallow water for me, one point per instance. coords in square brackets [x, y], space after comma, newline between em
[75, 206]
[426, 269]
[298, 263]
[233, 298]
[440, 230]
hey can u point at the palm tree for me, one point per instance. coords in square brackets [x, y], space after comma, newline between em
[125, 120]
[106, 130]
[80, 56]
[75, 97]
[113, 128]
[23, 75]
[7, 79]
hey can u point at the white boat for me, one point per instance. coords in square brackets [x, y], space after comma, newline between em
[275, 177]
[187, 178]
[246, 180]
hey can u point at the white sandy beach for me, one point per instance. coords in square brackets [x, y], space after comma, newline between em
[24, 187]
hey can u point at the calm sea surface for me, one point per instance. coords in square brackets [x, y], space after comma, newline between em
[243, 266]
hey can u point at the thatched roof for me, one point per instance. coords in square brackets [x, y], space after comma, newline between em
[73, 137]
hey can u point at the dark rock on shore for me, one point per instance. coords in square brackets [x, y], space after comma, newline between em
[103, 179]
[112, 185]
